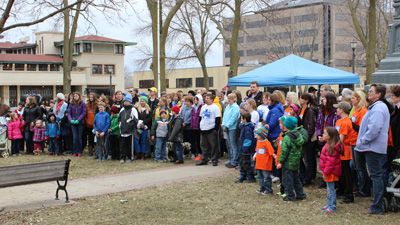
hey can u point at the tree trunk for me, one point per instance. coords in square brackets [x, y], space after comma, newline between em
[202, 61]
[152, 6]
[66, 51]
[233, 44]
[371, 47]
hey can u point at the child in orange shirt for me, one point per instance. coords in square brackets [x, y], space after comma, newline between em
[278, 154]
[348, 137]
[263, 157]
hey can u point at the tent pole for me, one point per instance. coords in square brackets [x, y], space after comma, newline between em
[297, 90]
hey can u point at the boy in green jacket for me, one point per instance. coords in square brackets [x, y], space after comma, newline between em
[289, 160]
[114, 133]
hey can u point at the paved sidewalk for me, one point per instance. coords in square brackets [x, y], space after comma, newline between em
[43, 194]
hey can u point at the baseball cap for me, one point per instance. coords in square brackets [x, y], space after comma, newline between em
[153, 89]
[345, 106]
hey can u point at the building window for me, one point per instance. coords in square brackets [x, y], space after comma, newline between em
[54, 67]
[97, 69]
[184, 83]
[308, 48]
[227, 54]
[256, 24]
[257, 51]
[241, 53]
[282, 21]
[9, 51]
[7, 66]
[31, 67]
[29, 51]
[342, 17]
[13, 96]
[77, 48]
[43, 67]
[108, 68]
[200, 81]
[305, 18]
[119, 49]
[87, 47]
[255, 38]
[342, 47]
[306, 33]
[146, 83]
[19, 67]
[23, 51]
[342, 32]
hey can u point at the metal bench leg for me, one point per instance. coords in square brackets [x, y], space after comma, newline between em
[63, 188]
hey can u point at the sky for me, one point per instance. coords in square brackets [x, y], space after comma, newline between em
[125, 31]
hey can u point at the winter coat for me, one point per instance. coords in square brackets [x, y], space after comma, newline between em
[325, 120]
[374, 129]
[14, 130]
[258, 98]
[276, 111]
[101, 122]
[65, 127]
[231, 116]
[330, 164]
[38, 134]
[195, 119]
[175, 129]
[52, 130]
[291, 150]
[77, 112]
[114, 125]
[119, 105]
[159, 128]
[395, 126]
[308, 121]
[246, 140]
[61, 112]
[128, 118]
[31, 114]
[153, 105]
[186, 115]
[90, 114]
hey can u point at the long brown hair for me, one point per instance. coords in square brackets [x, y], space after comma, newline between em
[79, 100]
[334, 139]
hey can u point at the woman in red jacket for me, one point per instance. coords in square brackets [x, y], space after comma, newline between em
[330, 165]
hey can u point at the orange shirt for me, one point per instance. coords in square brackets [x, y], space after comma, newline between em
[264, 155]
[331, 178]
[279, 144]
[302, 112]
[345, 127]
[358, 115]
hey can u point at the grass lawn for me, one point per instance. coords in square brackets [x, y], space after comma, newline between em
[86, 166]
[210, 201]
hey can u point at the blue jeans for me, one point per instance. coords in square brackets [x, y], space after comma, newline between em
[246, 168]
[142, 142]
[101, 147]
[231, 143]
[53, 145]
[160, 148]
[264, 178]
[178, 150]
[77, 132]
[331, 196]
[292, 184]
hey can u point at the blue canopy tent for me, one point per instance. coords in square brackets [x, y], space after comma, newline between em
[294, 70]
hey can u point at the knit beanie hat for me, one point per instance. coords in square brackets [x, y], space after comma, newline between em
[290, 122]
[176, 109]
[128, 98]
[145, 99]
[262, 132]
[61, 96]
[114, 109]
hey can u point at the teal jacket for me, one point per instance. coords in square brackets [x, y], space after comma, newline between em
[291, 150]
[231, 116]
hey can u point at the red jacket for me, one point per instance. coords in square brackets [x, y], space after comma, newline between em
[14, 130]
[330, 164]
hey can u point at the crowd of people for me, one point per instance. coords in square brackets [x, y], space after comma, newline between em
[275, 137]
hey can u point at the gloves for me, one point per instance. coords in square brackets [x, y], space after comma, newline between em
[74, 121]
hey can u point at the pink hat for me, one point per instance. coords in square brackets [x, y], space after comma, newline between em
[294, 107]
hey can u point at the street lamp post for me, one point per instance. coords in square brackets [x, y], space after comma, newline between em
[110, 71]
[353, 45]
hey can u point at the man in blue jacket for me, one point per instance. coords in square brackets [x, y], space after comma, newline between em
[371, 149]
[229, 127]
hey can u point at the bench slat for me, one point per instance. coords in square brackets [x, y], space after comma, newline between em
[34, 165]
[16, 171]
[31, 178]
[27, 181]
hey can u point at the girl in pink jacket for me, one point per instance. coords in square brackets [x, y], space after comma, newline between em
[330, 165]
[14, 133]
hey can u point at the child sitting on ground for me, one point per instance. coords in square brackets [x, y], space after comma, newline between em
[100, 126]
[160, 132]
[330, 165]
[52, 135]
[289, 160]
[263, 157]
[38, 136]
[247, 143]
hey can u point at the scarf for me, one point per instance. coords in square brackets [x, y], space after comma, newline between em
[58, 106]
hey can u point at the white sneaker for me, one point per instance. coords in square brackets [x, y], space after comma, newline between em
[122, 161]
[275, 180]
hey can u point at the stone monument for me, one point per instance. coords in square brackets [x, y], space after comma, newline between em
[389, 67]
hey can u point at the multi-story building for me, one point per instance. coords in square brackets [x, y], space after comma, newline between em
[320, 30]
[36, 68]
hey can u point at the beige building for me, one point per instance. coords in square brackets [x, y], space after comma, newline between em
[186, 79]
[36, 68]
[319, 30]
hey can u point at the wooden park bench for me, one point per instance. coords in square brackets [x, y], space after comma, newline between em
[36, 173]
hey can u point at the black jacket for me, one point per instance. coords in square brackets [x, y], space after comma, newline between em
[31, 114]
[258, 98]
[128, 125]
[146, 117]
[395, 126]
[309, 119]
[175, 130]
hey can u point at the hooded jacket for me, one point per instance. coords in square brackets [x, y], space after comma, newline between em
[195, 119]
[330, 164]
[247, 140]
[52, 130]
[291, 150]
[309, 120]
[14, 130]
[102, 122]
[186, 114]
[276, 111]
[328, 120]
[77, 112]
[175, 129]
[231, 116]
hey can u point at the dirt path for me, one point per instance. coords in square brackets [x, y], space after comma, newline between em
[42, 195]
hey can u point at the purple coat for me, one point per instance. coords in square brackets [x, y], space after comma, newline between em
[77, 112]
[195, 119]
[322, 120]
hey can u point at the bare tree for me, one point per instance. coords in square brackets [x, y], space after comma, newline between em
[191, 22]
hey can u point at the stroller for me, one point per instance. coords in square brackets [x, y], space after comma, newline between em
[3, 138]
[392, 196]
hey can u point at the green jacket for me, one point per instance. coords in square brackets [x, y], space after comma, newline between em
[114, 125]
[291, 150]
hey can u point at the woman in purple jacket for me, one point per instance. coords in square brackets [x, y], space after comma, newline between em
[195, 126]
[76, 115]
[327, 114]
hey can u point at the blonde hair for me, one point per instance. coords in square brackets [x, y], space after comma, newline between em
[292, 97]
[281, 96]
[232, 96]
[252, 103]
[360, 95]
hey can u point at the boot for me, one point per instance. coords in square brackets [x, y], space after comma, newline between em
[90, 150]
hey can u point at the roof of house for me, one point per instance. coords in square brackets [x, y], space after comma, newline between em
[96, 38]
[10, 45]
[27, 58]
[297, 3]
